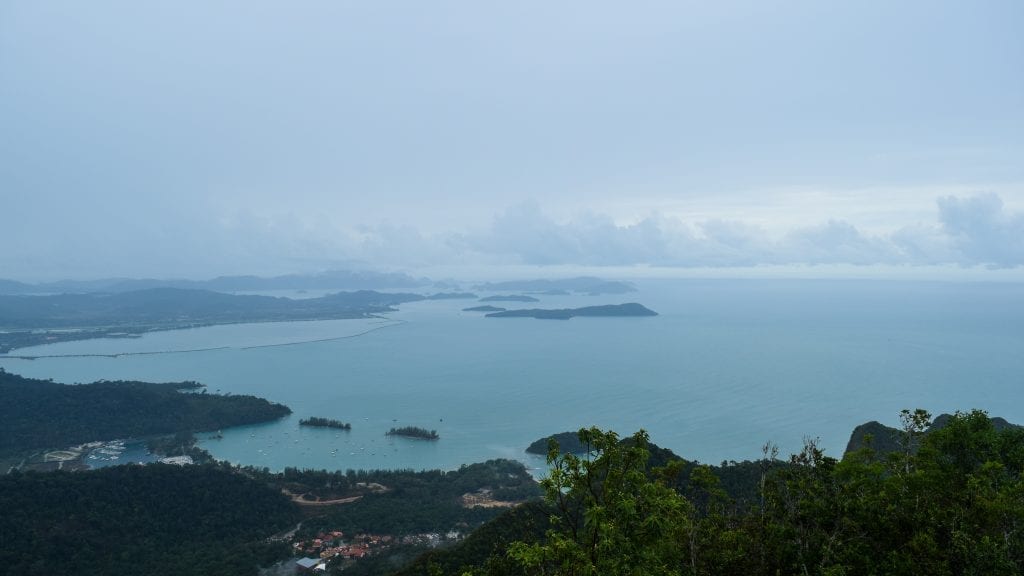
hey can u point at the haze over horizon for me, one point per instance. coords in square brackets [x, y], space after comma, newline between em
[202, 139]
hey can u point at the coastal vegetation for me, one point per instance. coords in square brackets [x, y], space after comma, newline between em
[155, 519]
[403, 502]
[39, 414]
[414, 432]
[630, 309]
[945, 499]
[319, 422]
[952, 505]
[220, 519]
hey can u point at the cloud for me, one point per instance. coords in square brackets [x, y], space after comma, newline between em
[976, 230]
[967, 231]
[524, 234]
[835, 242]
[527, 236]
[983, 231]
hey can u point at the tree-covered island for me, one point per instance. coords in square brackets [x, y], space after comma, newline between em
[318, 422]
[946, 501]
[414, 432]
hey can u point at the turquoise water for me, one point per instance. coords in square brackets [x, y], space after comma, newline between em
[727, 366]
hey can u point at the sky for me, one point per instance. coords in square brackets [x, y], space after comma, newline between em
[194, 139]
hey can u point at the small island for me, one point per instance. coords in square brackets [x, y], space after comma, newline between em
[319, 422]
[484, 309]
[509, 298]
[414, 432]
[630, 309]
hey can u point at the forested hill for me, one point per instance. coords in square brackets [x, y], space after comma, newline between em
[953, 506]
[155, 520]
[884, 439]
[44, 414]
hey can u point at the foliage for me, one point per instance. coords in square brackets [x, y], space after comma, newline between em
[414, 432]
[401, 502]
[611, 517]
[155, 519]
[949, 502]
[317, 421]
[484, 549]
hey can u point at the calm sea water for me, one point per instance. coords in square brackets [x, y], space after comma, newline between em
[727, 366]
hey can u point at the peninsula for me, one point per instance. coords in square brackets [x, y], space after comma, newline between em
[40, 414]
[630, 309]
[33, 320]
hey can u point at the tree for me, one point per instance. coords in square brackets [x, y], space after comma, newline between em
[610, 516]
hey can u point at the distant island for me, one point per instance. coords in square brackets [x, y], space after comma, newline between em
[42, 414]
[318, 422]
[568, 443]
[484, 309]
[509, 298]
[33, 320]
[452, 296]
[630, 309]
[327, 280]
[580, 285]
[414, 432]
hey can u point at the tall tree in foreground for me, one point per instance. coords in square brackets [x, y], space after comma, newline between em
[610, 516]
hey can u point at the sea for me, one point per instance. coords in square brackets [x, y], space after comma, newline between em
[726, 367]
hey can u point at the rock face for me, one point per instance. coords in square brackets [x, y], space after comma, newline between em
[886, 439]
[568, 442]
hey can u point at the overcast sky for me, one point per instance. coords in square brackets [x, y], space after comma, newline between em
[192, 139]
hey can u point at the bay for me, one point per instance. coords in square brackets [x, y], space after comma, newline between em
[725, 367]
